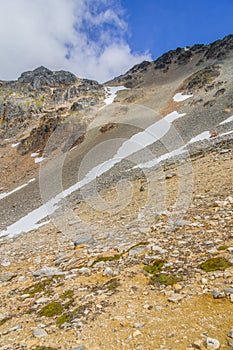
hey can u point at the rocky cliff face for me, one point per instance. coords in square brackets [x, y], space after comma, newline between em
[174, 62]
[41, 99]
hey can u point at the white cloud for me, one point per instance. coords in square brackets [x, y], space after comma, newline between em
[47, 32]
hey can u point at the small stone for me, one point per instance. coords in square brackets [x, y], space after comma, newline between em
[137, 250]
[136, 333]
[39, 333]
[7, 276]
[108, 272]
[170, 175]
[86, 238]
[25, 296]
[42, 300]
[84, 271]
[217, 295]
[231, 298]
[5, 263]
[197, 344]
[175, 298]
[81, 347]
[204, 280]
[212, 344]
[65, 325]
[177, 287]
[138, 325]
[15, 328]
[47, 272]
[230, 334]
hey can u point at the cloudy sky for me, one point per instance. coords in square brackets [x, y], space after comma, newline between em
[100, 39]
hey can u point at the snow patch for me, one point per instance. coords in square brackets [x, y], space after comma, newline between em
[35, 154]
[136, 143]
[203, 136]
[15, 144]
[179, 97]
[111, 93]
[173, 116]
[5, 194]
[39, 159]
[228, 120]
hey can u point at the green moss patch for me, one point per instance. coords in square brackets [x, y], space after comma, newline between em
[215, 264]
[107, 258]
[112, 284]
[168, 279]
[52, 309]
[37, 287]
[155, 267]
[67, 294]
[68, 317]
[62, 319]
[223, 247]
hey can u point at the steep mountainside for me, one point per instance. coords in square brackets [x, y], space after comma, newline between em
[116, 224]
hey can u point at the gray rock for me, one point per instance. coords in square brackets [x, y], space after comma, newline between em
[197, 344]
[5, 263]
[82, 271]
[42, 300]
[86, 238]
[65, 325]
[15, 328]
[170, 175]
[108, 272]
[48, 272]
[212, 344]
[138, 250]
[230, 334]
[81, 347]
[158, 249]
[39, 333]
[7, 276]
[217, 294]
[231, 298]
[228, 291]
[175, 298]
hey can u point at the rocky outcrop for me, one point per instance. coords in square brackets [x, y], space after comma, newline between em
[178, 60]
[27, 102]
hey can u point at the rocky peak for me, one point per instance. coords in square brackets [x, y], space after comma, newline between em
[41, 77]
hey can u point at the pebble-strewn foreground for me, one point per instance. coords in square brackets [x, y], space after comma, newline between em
[127, 283]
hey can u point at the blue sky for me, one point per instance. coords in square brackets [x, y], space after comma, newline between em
[101, 39]
[161, 25]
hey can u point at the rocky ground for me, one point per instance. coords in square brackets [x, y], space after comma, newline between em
[138, 276]
[128, 281]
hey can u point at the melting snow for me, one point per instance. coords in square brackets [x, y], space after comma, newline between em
[137, 142]
[34, 154]
[15, 144]
[173, 116]
[111, 93]
[228, 120]
[5, 194]
[39, 159]
[203, 136]
[179, 97]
